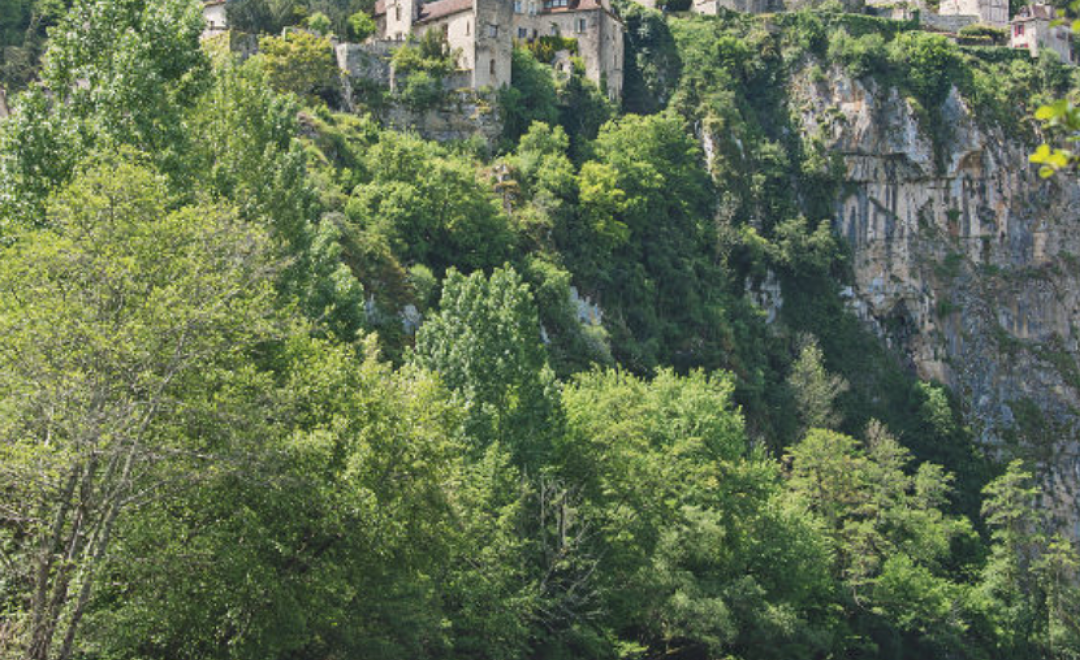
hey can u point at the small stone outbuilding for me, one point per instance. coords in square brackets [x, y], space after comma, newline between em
[1032, 28]
[215, 17]
[994, 13]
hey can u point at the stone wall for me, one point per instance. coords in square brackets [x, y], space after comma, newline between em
[460, 34]
[750, 6]
[399, 18]
[946, 23]
[713, 7]
[369, 61]
[987, 12]
[464, 115]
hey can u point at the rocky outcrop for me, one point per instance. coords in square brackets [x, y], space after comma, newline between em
[365, 64]
[462, 115]
[965, 262]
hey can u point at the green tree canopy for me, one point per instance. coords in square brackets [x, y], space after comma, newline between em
[123, 327]
[485, 344]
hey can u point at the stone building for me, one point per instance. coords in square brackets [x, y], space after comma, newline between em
[1032, 29]
[713, 7]
[985, 12]
[214, 15]
[483, 33]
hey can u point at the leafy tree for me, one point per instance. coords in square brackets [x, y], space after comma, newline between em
[529, 98]
[602, 204]
[583, 108]
[429, 205]
[686, 522]
[316, 535]
[245, 153]
[649, 170]
[485, 343]
[864, 55]
[1058, 570]
[931, 62]
[1028, 589]
[889, 537]
[361, 26]
[300, 63]
[1062, 117]
[430, 53]
[130, 320]
[815, 390]
[546, 181]
[272, 16]
[264, 16]
[319, 23]
[492, 599]
[23, 26]
[128, 70]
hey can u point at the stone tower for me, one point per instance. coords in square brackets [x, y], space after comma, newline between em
[400, 16]
[494, 43]
[986, 12]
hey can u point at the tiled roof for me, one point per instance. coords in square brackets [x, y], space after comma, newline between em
[587, 5]
[583, 5]
[429, 11]
[1029, 12]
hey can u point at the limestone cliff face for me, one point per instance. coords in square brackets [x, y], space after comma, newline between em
[965, 262]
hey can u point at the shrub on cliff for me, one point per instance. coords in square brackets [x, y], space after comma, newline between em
[300, 63]
[361, 26]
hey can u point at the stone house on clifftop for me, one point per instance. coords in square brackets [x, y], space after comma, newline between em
[215, 17]
[484, 31]
[1032, 28]
[994, 13]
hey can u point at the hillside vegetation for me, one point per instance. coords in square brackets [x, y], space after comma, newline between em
[276, 382]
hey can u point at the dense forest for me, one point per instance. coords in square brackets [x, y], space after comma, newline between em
[278, 382]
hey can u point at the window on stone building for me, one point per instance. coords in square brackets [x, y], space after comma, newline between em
[554, 30]
[581, 25]
[468, 28]
[519, 6]
[523, 33]
[446, 30]
[1019, 29]
[397, 13]
[491, 67]
[493, 31]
